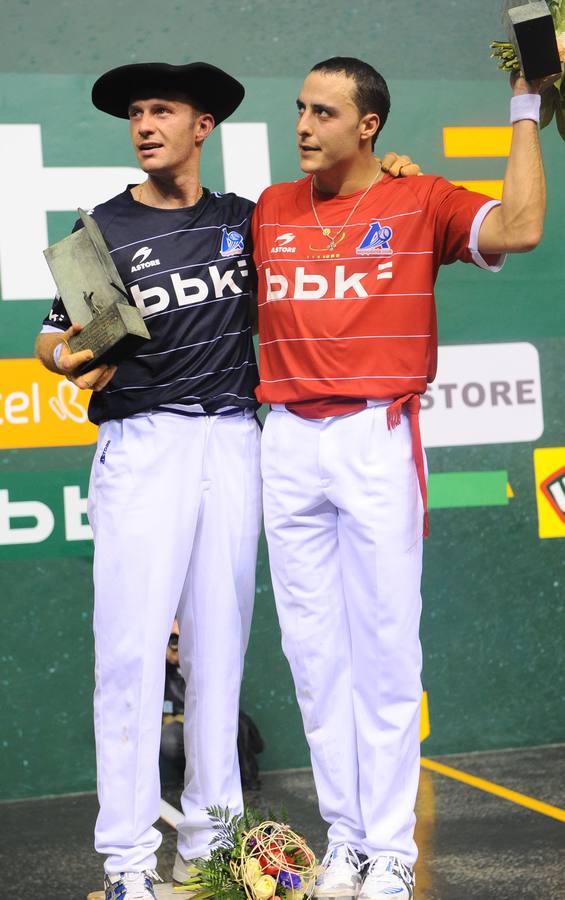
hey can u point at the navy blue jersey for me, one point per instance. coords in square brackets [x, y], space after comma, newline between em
[190, 273]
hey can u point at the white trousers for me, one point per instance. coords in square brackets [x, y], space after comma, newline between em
[175, 505]
[343, 517]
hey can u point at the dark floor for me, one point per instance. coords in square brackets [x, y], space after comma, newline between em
[473, 845]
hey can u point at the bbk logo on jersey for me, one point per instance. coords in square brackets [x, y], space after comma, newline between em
[376, 241]
[282, 243]
[144, 262]
[215, 285]
[232, 243]
[314, 286]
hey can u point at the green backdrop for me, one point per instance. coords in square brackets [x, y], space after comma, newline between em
[493, 590]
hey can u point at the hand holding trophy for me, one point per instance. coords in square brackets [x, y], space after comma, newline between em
[95, 297]
[536, 49]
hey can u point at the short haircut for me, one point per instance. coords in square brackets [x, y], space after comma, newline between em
[371, 90]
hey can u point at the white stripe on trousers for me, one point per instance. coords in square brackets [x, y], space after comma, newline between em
[175, 506]
[343, 517]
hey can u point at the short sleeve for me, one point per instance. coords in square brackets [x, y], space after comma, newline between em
[57, 318]
[458, 216]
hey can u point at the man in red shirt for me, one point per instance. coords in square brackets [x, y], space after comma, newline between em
[347, 259]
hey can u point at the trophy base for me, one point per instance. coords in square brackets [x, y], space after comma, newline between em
[114, 334]
[533, 36]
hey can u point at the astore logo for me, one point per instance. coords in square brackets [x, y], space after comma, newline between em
[142, 259]
[141, 254]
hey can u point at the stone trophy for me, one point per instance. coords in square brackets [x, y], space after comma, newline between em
[94, 295]
[531, 31]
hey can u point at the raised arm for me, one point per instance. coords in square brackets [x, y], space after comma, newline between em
[516, 226]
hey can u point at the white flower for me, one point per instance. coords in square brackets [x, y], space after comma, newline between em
[252, 871]
[264, 888]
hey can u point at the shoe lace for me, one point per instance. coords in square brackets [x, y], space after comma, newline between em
[381, 868]
[138, 885]
[339, 861]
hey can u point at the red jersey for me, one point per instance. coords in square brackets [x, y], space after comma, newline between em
[357, 321]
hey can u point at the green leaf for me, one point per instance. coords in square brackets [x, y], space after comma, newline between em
[557, 10]
[560, 119]
[280, 816]
[549, 101]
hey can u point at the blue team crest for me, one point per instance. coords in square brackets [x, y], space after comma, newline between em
[376, 242]
[232, 243]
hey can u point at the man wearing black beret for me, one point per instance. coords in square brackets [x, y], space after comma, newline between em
[174, 499]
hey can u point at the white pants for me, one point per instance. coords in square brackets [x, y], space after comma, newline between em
[175, 506]
[343, 517]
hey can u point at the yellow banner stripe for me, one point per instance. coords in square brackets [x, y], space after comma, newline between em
[490, 188]
[424, 717]
[477, 141]
[555, 812]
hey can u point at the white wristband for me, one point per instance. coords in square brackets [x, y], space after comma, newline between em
[525, 106]
[57, 352]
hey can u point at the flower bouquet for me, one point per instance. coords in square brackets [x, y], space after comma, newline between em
[253, 859]
[553, 97]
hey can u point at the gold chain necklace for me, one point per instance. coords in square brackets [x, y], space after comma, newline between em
[327, 232]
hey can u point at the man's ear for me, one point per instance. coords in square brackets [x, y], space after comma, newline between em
[370, 124]
[204, 126]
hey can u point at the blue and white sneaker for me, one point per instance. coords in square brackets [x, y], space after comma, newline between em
[339, 875]
[387, 878]
[131, 885]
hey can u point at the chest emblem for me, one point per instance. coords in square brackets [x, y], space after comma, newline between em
[232, 243]
[376, 241]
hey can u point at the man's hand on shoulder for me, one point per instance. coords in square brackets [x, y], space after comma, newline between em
[399, 166]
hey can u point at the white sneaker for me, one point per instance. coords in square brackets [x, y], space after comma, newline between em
[340, 874]
[130, 885]
[387, 877]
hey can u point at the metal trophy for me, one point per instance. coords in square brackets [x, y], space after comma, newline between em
[94, 295]
[532, 46]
